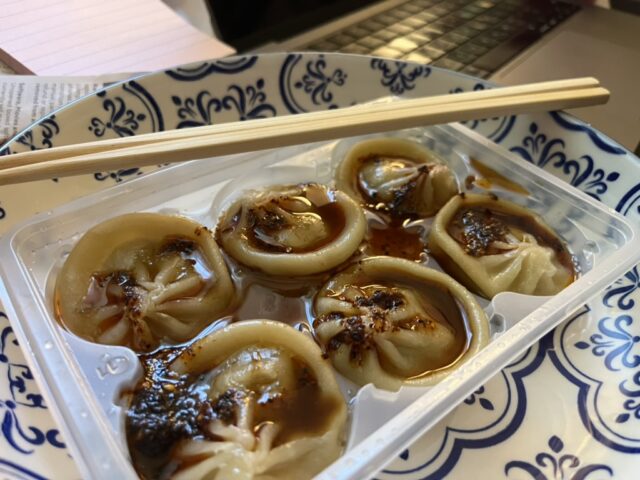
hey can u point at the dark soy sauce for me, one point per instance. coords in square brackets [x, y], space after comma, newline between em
[395, 241]
[439, 303]
[286, 299]
[260, 223]
[303, 412]
[167, 408]
[390, 235]
[382, 297]
[331, 213]
[477, 228]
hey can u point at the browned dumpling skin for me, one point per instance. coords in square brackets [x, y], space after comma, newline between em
[141, 280]
[396, 176]
[273, 406]
[292, 230]
[493, 245]
[390, 322]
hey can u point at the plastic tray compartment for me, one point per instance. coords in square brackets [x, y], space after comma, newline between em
[82, 381]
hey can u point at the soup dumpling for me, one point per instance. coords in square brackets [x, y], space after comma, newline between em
[292, 230]
[142, 279]
[269, 406]
[396, 176]
[492, 246]
[390, 321]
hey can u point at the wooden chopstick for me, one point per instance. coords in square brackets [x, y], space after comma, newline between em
[43, 155]
[252, 135]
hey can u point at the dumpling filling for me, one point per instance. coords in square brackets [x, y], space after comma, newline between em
[485, 231]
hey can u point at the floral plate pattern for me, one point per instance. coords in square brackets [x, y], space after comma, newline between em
[567, 408]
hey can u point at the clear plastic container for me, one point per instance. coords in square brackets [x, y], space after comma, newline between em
[83, 381]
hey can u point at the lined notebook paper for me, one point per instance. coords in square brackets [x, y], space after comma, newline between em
[93, 37]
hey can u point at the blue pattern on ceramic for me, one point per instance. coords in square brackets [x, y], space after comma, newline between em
[249, 103]
[556, 465]
[570, 123]
[317, 82]
[502, 130]
[631, 390]
[478, 395]
[117, 175]
[622, 289]
[13, 470]
[616, 386]
[618, 345]
[629, 201]
[501, 425]
[23, 394]
[154, 113]
[582, 172]
[284, 81]
[122, 121]
[199, 71]
[399, 77]
[614, 342]
[40, 136]
[198, 111]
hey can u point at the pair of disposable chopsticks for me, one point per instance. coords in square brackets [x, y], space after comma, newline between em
[260, 134]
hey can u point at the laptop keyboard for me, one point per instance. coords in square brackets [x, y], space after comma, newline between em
[472, 36]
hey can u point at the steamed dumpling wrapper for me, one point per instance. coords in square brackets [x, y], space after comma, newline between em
[143, 279]
[390, 322]
[292, 230]
[494, 246]
[276, 411]
[396, 176]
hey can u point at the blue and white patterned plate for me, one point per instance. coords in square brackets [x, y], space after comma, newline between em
[569, 407]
